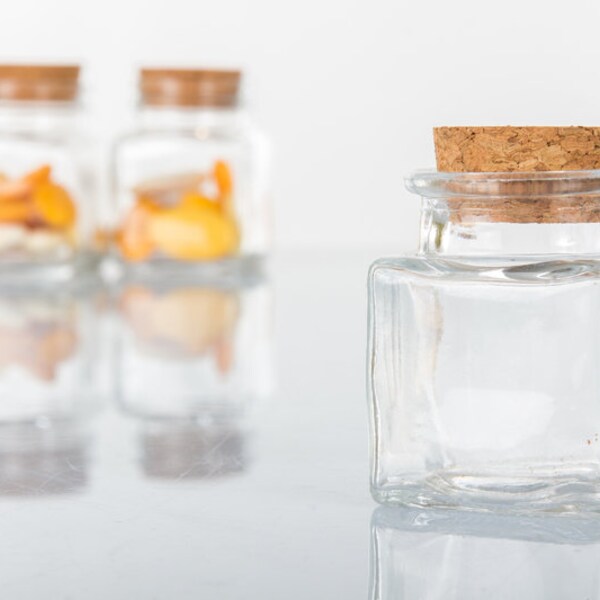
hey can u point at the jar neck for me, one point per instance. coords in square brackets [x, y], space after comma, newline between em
[443, 235]
[507, 214]
[208, 119]
[38, 117]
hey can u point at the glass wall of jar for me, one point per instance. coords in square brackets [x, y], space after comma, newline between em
[46, 213]
[193, 362]
[190, 182]
[484, 348]
[50, 386]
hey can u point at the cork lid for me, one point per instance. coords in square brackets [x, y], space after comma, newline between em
[505, 149]
[189, 87]
[516, 174]
[39, 82]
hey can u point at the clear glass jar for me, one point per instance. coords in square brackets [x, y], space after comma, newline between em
[192, 363]
[484, 349]
[46, 216]
[190, 183]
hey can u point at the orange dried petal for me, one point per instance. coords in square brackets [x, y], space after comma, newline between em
[224, 181]
[39, 176]
[193, 200]
[191, 233]
[134, 240]
[13, 191]
[222, 175]
[147, 203]
[54, 205]
[15, 211]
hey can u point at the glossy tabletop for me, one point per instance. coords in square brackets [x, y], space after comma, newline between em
[212, 442]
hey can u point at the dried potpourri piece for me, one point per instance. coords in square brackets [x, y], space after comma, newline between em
[37, 215]
[176, 218]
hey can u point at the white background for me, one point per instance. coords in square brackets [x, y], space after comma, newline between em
[348, 90]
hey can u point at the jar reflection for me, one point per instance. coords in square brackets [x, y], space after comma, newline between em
[193, 361]
[190, 449]
[43, 457]
[456, 555]
[49, 348]
[37, 335]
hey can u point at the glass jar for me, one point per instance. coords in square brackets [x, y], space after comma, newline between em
[190, 183]
[484, 348]
[46, 217]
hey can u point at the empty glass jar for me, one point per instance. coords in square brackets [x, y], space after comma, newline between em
[484, 352]
[190, 182]
[45, 186]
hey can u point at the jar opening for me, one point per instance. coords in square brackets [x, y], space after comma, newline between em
[189, 87]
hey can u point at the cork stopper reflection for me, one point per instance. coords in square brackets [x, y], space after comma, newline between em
[520, 150]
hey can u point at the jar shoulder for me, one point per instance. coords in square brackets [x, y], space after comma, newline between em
[530, 270]
[67, 139]
[247, 134]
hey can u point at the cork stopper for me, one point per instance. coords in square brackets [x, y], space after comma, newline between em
[189, 87]
[505, 149]
[531, 154]
[39, 82]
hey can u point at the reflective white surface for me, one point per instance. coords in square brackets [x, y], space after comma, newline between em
[265, 500]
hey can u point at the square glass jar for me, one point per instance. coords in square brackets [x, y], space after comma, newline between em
[484, 348]
[190, 182]
[46, 184]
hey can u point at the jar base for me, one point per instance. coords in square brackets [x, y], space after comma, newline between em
[568, 489]
[39, 275]
[243, 269]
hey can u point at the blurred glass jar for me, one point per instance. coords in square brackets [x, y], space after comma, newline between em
[46, 217]
[192, 364]
[190, 183]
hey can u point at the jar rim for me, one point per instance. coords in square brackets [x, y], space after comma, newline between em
[514, 184]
